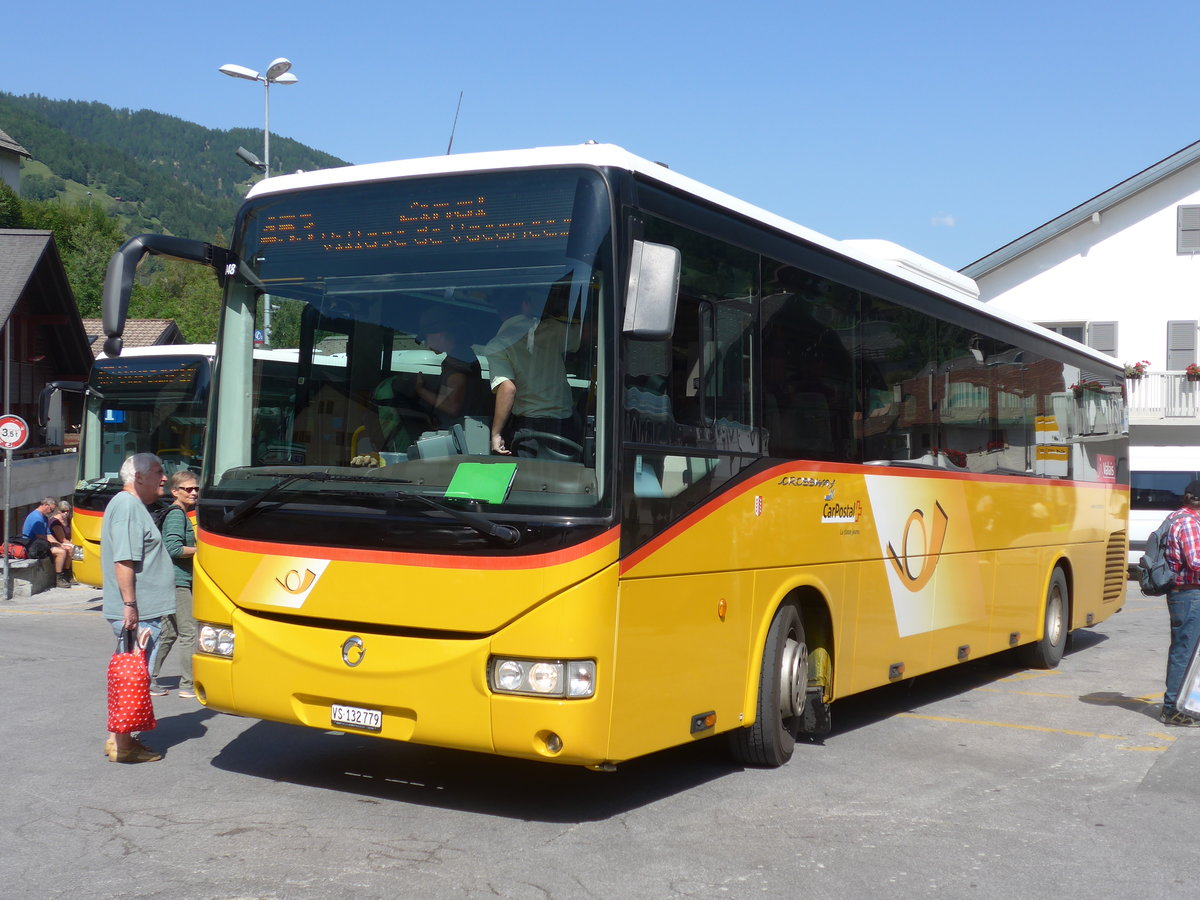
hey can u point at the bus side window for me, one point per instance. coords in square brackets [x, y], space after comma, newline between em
[808, 373]
[662, 487]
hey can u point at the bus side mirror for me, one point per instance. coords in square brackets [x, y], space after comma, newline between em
[118, 279]
[47, 396]
[653, 291]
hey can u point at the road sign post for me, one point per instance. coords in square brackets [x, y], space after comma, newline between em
[14, 432]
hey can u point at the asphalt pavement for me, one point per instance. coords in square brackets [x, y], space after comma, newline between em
[984, 781]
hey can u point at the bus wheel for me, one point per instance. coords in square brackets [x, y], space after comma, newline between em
[781, 689]
[1046, 652]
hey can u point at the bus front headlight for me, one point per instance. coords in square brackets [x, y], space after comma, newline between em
[214, 639]
[571, 679]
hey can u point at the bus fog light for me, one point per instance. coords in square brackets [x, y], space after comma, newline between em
[214, 639]
[573, 679]
[77, 554]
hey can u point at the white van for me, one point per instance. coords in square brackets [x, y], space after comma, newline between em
[1157, 477]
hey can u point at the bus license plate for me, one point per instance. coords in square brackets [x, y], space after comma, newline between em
[357, 717]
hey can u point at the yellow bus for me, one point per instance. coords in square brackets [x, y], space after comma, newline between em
[586, 460]
[151, 399]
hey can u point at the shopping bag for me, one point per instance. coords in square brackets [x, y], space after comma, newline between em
[129, 705]
[1188, 700]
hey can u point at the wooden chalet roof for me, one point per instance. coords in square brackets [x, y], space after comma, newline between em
[138, 333]
[32, 276]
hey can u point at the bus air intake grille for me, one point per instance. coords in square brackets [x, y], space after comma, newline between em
[1115, 567]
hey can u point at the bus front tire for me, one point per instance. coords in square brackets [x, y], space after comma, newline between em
[782, 685]
[1046, 652]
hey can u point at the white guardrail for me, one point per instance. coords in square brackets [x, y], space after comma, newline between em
[1163, 395]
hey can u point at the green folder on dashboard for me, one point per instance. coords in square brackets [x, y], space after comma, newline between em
[488, 482]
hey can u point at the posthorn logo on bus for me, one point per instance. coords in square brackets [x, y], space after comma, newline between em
[918, 544]
[295, 583]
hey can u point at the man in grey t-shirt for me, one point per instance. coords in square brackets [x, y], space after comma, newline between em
[139, 579]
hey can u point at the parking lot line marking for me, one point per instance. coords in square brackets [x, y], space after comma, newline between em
[1026, 676]
[1016, 725]
[1131, 702]
[47, 612]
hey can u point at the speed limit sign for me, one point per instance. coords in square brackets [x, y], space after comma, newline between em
[13, 432]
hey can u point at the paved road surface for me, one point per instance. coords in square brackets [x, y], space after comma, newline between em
[988, 781]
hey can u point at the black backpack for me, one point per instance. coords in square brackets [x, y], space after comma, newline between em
[1154, 575]
[159, 511]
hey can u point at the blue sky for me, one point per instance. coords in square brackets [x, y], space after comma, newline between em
[949, 127]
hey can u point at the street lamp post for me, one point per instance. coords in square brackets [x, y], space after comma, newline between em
[277, 73]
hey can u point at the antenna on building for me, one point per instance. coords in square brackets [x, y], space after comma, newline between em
[454, 127]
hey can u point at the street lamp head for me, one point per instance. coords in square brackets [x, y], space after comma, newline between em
[277, 73]
[234, 71]
[251, 160]
[277, 68]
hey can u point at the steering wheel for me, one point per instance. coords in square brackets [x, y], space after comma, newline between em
[555, 446]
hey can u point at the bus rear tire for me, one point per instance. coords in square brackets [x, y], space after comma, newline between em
[782, 685]
[1046, 652]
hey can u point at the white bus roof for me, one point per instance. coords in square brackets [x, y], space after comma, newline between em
[883, 255]
[165, 350]
[1146, 458]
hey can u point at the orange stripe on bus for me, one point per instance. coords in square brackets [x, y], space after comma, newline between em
[401, 557]
[728, 496]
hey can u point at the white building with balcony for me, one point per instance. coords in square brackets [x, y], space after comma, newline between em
[1121, 273]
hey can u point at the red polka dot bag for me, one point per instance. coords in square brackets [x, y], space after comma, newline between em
[129, 704]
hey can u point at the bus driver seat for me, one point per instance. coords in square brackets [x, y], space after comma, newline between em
[400, 422]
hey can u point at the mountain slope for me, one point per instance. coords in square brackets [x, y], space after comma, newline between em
[158, 172]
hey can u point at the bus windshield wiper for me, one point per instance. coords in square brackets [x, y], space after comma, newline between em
[252, 502]
[94, 486]
[506, 534]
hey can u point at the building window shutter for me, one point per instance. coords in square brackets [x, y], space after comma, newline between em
[1188, 235]
[1102, 336]
[1181, 344]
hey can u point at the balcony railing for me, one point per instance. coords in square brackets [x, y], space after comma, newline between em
[1163, 395]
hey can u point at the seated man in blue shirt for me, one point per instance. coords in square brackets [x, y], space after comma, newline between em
[37, 527]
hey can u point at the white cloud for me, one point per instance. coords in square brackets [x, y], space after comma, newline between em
[942, 220]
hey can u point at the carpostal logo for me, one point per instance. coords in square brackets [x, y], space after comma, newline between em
[834, 512]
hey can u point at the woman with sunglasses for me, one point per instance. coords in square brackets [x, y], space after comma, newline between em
[60, 534]
[179, 538]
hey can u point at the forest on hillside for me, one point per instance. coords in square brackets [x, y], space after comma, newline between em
[99, 175]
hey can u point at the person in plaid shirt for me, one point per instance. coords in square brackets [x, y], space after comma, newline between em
[1182, 552]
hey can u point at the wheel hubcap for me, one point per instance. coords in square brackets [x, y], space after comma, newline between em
[793, 678]
[1054, 617]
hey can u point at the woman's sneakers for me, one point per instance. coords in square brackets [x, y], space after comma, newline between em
[137, 752]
